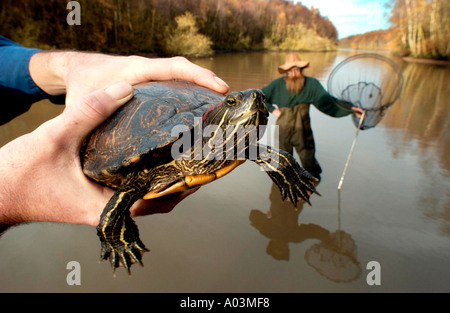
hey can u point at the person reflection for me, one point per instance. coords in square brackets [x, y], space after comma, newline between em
[281, 226]
[333, 257]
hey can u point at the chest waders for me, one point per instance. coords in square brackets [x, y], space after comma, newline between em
[295, 132]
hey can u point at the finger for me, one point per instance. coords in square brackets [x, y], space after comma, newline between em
[183, 69]
[357, 111]
[88, 112]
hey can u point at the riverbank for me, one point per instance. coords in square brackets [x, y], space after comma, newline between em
[427, 61]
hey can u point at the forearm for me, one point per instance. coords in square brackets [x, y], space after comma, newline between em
[332, 107]
[53, 71]
[48, 73]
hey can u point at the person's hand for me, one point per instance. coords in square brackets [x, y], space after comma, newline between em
[41, 173]
[79, 73]
[276, 112]
[357, 111]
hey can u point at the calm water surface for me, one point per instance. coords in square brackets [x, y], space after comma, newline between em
[235, 235]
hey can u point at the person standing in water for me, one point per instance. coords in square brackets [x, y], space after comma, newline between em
[289, 98]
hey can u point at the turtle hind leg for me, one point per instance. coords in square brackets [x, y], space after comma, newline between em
[118, 233]
[293, 181]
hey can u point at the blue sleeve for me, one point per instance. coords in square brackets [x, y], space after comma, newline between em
[18, 91]
[14, 72]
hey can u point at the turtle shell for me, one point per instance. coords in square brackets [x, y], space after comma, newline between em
[142, 128]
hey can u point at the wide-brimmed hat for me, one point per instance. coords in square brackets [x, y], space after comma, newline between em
[292, 60]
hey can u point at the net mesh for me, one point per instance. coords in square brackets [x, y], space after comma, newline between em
[369, 81]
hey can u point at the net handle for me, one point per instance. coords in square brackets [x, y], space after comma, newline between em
[361, 120]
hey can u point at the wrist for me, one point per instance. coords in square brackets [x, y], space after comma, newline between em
[18, 186]
[49, 71]
[9, 202]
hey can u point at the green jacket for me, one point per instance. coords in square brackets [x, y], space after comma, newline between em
[312, 93]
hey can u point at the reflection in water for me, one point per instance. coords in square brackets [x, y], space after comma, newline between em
[334, 256]
[421, 121]
[423, 111]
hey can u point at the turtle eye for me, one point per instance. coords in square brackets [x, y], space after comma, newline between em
[231, 102]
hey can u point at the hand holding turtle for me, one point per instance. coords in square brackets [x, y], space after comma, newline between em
[41, 171]
[79, 73]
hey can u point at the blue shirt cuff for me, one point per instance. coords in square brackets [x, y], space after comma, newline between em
[14, 69]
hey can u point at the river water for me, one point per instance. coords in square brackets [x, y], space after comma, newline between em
[235, 235]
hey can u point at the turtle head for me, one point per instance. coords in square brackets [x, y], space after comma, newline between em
[239, 108]
[233, 125]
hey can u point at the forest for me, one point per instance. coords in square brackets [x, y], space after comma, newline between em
[419, 28]
[168, 27]
[375, 40]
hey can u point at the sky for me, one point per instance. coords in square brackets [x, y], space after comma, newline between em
[351, 17]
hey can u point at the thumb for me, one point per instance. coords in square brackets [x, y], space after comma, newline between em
[94, 108]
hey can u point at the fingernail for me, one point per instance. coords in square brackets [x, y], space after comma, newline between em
[119, 91]
[221, 82]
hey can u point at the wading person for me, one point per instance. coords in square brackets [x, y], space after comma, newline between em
[288, 98]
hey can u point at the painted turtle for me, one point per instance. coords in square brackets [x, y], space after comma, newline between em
[152, 147]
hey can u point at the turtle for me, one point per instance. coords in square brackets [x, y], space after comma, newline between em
[173, 136]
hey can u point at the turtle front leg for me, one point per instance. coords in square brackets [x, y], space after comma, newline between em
[293, 181]
[118, 233]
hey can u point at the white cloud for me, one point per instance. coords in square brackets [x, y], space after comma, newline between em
[352, 17]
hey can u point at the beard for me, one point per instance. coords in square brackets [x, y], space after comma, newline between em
[295, 84]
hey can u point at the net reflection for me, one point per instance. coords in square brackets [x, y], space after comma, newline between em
[333, 257]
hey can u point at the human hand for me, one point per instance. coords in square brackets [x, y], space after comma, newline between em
[276, 112]
[42, 179]
[79, 73]
[357, 111]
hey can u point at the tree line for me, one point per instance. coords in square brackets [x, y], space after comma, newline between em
[158, 26]
[374, 40]
[422, 27]
[419, 28]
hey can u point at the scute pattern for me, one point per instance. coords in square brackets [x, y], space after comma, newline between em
[142, 126]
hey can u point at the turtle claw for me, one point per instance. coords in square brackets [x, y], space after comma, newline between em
[294, 182]
[118, 233]
[298, 191]
[122, 247]
[297, 188]
[123, 255]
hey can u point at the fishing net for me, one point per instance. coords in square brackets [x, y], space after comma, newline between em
[371, 82]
